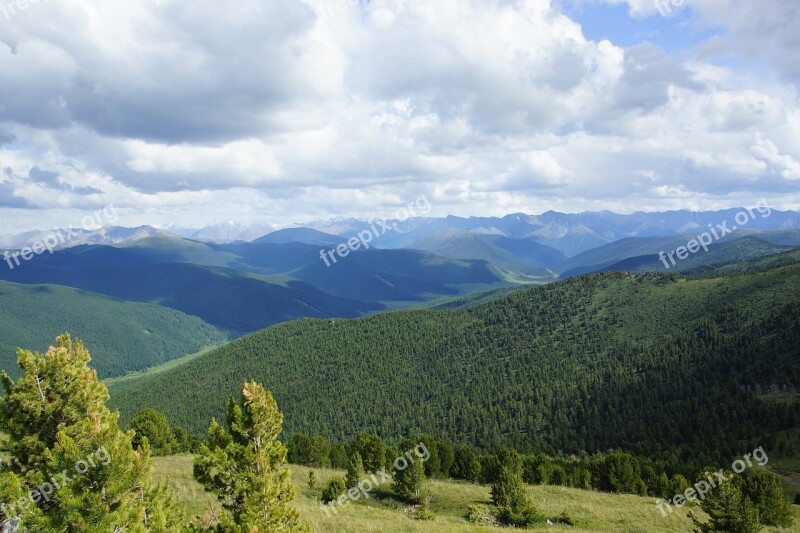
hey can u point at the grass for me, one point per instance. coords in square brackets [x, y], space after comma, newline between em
[593, 511]
[789, 471]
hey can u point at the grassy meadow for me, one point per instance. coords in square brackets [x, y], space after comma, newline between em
[593, 511]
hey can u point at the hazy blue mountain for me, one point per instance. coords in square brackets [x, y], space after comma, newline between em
[225, 232]
[742, 249]
[614, 253]
[242, 287]
[524, 257]
[299, 235]
[236, 301]
[573, 233]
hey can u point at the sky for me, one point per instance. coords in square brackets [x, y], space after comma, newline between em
[281, 111]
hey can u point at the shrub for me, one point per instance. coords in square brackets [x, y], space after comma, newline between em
[424, 511]
[564, 518]
[480, 515]
[522, 517]
[335, 488]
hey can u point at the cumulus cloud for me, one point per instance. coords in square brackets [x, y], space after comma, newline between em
[763, 30]
[306, 110]
[9, 198]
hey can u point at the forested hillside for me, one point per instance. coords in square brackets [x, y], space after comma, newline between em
[655, 364]
[237, 302]
[125, 336]
[642, 254]
[738, 250]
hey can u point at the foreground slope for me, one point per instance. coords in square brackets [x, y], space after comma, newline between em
[124, 336]
[592, 511]
[656, 364]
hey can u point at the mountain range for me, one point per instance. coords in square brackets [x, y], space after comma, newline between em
[236, 287]
[571, 233]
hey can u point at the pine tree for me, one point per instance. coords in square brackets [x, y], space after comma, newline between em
[620, 472]
[153, 425]
[312, 480]
[765, 490]
[319, 452]
[409, 481]
[355, 471]
[514, 506]
[246, 468]
[465, 465]
[729, 511]
[372, 450]
[64, 441]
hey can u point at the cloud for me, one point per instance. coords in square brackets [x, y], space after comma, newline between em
[6, 138]
[782, 164]
[52, 181]
[9, 198]
[763, 30]
[307, 112]
[649, 74]
[44, 177]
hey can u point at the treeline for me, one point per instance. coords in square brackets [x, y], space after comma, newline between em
[760, 493]
[657, 365]
[614, 471]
